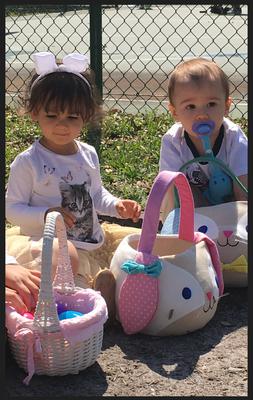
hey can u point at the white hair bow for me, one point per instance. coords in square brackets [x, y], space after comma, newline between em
[45, 64]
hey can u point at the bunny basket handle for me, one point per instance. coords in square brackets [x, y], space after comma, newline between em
[159, 188]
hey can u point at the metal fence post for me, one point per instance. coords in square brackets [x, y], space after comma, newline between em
[96, 44]
[94, 133]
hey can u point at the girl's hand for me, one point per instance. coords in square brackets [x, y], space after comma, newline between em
[129, 209]
[68, 217]
[24, 285]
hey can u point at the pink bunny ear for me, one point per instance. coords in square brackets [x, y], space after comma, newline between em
[138, 300]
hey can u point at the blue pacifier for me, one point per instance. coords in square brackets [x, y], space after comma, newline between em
[203, 128]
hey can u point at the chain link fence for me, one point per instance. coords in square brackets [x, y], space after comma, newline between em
[140, 46]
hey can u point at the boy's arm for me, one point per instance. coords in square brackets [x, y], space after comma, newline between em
[238, 162]
[238, 193]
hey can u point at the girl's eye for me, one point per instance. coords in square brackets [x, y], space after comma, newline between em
[211, 104]
[51, 116]
[73, 117]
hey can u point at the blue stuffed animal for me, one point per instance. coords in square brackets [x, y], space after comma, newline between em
[220, 187]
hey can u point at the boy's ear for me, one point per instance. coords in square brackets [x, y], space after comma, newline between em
[227, 105]
[172, 110]
[34, 116]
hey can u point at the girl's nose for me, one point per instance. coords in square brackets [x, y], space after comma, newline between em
[62, 122]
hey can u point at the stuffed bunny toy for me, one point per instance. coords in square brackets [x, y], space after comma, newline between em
[227, 225]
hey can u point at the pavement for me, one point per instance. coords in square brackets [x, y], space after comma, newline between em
[137, 55]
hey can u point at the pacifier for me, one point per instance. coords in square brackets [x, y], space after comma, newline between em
[203, 127]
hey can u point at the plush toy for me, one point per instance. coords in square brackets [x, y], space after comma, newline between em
[167, 284]
[28, 252]
[227, 225]
[220, 184]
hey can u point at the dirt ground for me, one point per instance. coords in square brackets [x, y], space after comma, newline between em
[209, 362]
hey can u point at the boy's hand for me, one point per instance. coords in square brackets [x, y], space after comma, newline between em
[68, 217]
[23, 285]
[129, 209]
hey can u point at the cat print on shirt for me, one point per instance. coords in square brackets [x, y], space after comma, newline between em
[77, 200]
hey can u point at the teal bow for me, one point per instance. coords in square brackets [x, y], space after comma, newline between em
[132, 267]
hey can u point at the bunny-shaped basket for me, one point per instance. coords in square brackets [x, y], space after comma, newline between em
[46, 345]
[167, 284]
[226, 224]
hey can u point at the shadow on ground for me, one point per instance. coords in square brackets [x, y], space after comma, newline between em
[155, 352]
[184, 351]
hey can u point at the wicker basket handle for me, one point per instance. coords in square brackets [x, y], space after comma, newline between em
[46, 316]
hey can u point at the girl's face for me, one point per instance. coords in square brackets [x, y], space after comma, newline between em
[199, 102]
[59, 129]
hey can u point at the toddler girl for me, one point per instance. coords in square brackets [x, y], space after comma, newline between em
[58, 172]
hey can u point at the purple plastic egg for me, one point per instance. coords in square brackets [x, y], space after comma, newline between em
[61, 307]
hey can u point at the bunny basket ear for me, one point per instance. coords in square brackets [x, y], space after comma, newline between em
[138, 300]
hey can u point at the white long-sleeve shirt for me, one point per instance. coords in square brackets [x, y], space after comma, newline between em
[40, 179]
[233, 152]
[10, 259]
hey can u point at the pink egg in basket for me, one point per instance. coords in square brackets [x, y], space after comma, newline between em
[28, 315]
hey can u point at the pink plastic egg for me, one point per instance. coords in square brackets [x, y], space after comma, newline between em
[28, 315]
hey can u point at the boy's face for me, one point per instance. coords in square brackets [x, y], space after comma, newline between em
[199, 102]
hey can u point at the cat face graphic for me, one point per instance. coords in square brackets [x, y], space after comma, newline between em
[76, 198]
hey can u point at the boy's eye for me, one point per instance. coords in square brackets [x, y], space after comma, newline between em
[190, 107]
[73, 116]
[51, 116]
[211, 104]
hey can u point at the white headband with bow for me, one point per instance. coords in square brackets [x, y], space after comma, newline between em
[45, 64]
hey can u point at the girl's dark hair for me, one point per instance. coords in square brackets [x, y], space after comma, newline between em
[64, 90]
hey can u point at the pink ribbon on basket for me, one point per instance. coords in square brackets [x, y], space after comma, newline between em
[31, 340]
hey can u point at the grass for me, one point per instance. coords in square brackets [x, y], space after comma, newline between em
[129, 148]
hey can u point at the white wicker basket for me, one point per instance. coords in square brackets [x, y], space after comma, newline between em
[45, 345]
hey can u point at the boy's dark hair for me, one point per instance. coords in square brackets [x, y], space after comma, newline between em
[197, 70]
[64, 90]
